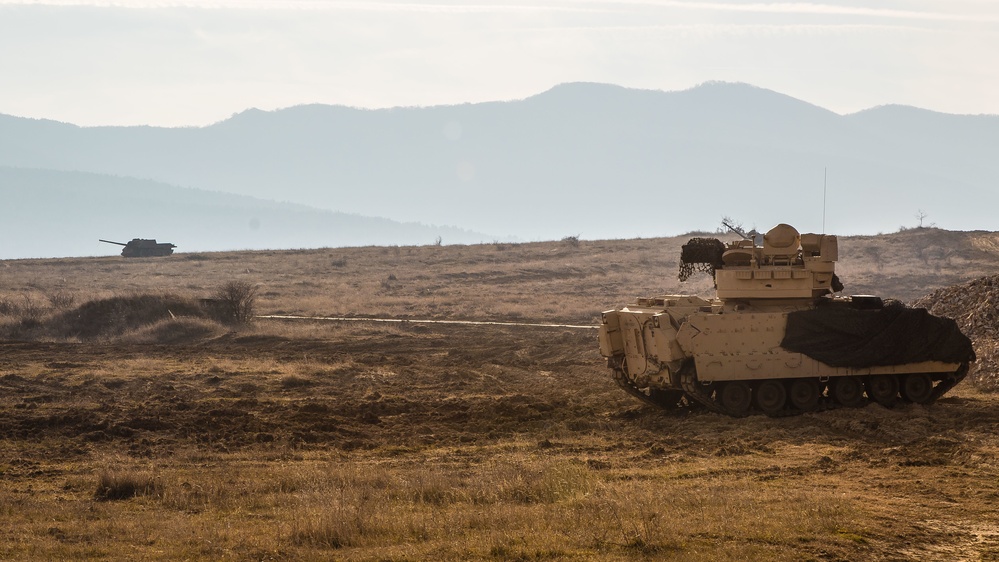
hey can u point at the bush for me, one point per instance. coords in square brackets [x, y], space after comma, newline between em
[62, 300]
[113, 485]
[571, 241]
[235, 301]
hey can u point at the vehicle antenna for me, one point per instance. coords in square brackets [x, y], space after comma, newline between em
[824, 173]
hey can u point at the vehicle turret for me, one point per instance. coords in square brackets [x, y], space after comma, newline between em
[788, 265]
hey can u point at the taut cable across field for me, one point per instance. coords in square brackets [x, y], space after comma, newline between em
[420, 321]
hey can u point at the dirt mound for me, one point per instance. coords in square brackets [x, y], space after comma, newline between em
[975, 308]
[175, 331]
[116, 316]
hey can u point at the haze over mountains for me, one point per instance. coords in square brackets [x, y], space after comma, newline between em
[593, 160]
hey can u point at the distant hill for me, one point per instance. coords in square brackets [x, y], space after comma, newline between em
[58, 214]
[585, 159]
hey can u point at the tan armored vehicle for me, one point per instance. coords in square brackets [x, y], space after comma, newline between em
[777, 340]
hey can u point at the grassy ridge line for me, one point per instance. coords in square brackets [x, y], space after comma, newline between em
[503, 282]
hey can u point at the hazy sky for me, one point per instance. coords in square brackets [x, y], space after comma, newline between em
[164, 62]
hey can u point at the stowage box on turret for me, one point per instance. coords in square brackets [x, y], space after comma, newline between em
[776, 339]
[140, 248]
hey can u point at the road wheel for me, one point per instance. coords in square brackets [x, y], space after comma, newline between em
[848, 391]
[917, 387]
[770, 397]
[805, 394]
[883, 389]
[736, 397]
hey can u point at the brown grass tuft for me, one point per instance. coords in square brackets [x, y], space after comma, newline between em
[122, 485]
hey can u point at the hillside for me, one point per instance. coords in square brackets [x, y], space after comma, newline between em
[570, 281]
[58, 214]
[580, 159]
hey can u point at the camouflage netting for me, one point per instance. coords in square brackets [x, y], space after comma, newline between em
[702, 255]
[844, 336]
[975, 307]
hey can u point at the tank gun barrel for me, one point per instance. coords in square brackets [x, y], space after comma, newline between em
[112, 242]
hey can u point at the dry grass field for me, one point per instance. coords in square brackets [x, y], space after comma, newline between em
[166, 435]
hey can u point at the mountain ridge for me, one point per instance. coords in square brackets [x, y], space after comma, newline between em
[590, 159]
[63, 214]
[702, 87]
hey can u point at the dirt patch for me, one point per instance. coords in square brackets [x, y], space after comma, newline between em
[975, 307]
[986, 242]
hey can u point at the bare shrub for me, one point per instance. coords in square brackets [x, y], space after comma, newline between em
[23, 308]
[390, 282]
[29, 310]
[8, 307]
[61, 300]
[28, 318]
[236, 301]
[122, 485]
[921, 216]
[571, 241]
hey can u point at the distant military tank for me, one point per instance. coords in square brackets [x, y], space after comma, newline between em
[141, 248]
[776, 339]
